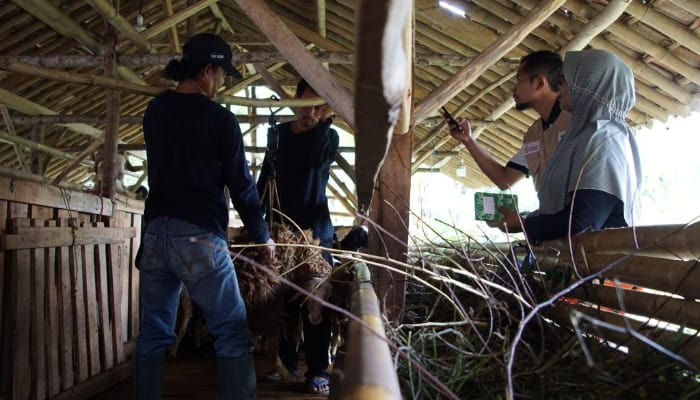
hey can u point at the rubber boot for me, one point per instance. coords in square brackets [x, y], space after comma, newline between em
[149, 376]
[236, 378]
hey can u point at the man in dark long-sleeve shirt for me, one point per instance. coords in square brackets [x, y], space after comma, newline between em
[305, 151]
[194, 149]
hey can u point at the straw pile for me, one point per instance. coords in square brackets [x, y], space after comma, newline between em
[296, 259]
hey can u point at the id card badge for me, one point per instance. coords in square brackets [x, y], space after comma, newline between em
[532, 147]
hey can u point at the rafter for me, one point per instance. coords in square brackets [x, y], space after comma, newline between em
[477, 66]
[168, 5]
[299, 57]
[57, 20]
[112, 16]
[185, 13]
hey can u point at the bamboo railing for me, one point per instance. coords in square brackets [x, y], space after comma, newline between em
[364, 369]
[643, 281]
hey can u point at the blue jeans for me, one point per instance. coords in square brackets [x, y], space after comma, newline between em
[174, 252]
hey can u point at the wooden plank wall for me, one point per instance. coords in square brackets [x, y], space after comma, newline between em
[68, 289]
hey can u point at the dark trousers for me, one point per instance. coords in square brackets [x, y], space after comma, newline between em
[317, 340]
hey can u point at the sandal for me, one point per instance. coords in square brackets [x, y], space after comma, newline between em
[318, 385]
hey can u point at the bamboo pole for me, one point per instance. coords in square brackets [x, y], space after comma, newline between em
[112, 16]
[168, 5]
[369, 372]
[20, 119]
[679, 311]
[690, 6]
[349, 206]
[467, 75]
[671, 276]
[662, 23]
[687, 346]
[596, 25]
[672, 242]
[220, 16]
[349, 194]
[78, 159]
[180, 16]
[116, 84]
[5, 137]
[11, 129]
[271, 82]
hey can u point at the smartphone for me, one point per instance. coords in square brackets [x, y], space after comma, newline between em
[450, 120]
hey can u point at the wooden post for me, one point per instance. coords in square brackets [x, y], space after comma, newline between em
[380, 86]
[109, 152]
[390, 211]
[381, 82]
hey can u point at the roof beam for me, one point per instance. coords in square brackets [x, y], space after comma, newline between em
[162, 26]
[308, 35]
[251, 57]
[57, 20]
[300, 58]
[504, 44]
[606, 17]
[442, 124]
[596, 25]
[20, 119]
[25, 106]
[144, 90]
[168, 5]
[662, 23]
[112, 16]
[11, 129]
[692, 7]
[220, 16]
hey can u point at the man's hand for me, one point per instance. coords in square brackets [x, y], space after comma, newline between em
[509, 223]
[463, 135]
[325, 112]
[269, 251]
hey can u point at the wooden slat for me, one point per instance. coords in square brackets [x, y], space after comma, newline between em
[88, 255]
[134, 309]
[66, 315]
[116, 253]
[4, 360]
[103, 302]
[20, 300]
[78, 300]
[38, 327]
[29, 238]
[52, 319]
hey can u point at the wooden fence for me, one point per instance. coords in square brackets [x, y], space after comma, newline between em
[68, 290]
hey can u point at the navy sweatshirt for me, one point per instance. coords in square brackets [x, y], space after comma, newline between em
[194, 148]
[303, 167]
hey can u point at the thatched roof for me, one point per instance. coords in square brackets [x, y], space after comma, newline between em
[62, 77]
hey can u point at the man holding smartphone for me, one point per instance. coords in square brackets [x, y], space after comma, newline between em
[537, 87]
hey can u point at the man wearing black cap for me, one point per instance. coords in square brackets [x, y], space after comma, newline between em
[195, 148]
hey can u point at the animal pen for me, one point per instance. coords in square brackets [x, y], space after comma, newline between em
[613, 313]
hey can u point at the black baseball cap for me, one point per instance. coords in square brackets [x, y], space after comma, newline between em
[207, 48]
